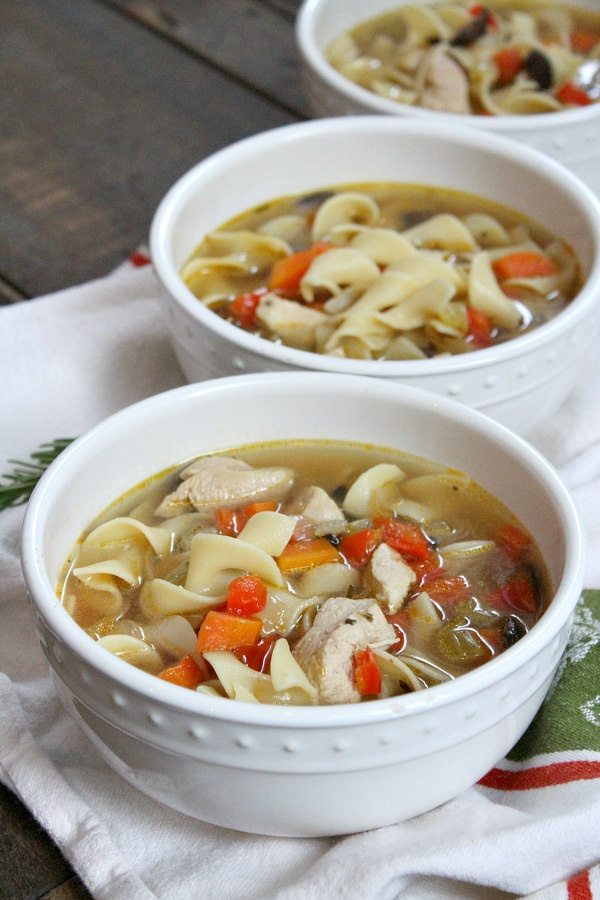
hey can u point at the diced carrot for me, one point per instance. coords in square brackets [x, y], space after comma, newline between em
[406, 538]
[513, 539]
[287, 273]
[222, 631]
[367, 677]
[448, 589]
[246, 596]
[518, 595]
[583, 40]
[264, 506]
[360, 546]
[258, 657]
[572, 95]
[307, 554]
[524, 264]
[229, 521]
[186, 673]
[244, 307]
[509, 63]
[481, 327]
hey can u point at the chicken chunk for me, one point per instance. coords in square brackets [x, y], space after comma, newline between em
[294, 323]
[315, 504]
[325, 653]
[214, 486]
[392, 577]
[446, 86]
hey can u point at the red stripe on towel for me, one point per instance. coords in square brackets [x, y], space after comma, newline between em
[541, 776]
[579, 887]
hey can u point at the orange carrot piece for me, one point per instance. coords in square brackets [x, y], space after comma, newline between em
[287, 273]
[509, 63]
[525, 264]
[229, 521]
[264, 506]
[222, 631]
[186, 673]
[583, 40]
[307, 554]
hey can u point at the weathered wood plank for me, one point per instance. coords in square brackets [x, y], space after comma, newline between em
[9, 293]
[250, 39]
[30, 864]
[73, 889]
[99, 117]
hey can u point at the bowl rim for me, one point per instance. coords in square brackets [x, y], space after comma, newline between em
[151, 688]
[317, 62]
[167, 212]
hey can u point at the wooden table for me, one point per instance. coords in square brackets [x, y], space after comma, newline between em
[103, 105]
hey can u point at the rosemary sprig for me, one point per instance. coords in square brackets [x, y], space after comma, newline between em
[21, 481]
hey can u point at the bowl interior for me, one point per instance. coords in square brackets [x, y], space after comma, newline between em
[219, 415]
[329, 18]
[320, 21]
[350, 150]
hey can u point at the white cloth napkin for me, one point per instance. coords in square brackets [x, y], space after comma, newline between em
[66, 362]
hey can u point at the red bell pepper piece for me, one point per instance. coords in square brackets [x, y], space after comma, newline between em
[359, 547]
[513, 539]
[243, 308]
[367, 677]
[258, 656]
[573, 95]
[246, 596]
[517, 595]
[406, 538]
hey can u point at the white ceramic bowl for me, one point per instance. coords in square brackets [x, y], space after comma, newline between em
[297, 771]
[519, 382]
[570, 136]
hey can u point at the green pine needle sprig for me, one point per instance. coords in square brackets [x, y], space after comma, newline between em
[18, 485]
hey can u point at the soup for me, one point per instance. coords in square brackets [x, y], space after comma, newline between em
[501, 58]
[384, 271]
[307, 573]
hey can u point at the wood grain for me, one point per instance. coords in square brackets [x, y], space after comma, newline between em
[30, 864]
[99, 116]
[251, 40]
[104, 103]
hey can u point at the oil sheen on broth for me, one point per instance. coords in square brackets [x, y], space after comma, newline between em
[307, 573]
[384, 271]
